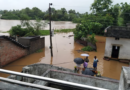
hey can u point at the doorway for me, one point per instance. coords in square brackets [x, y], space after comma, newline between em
[115, 51]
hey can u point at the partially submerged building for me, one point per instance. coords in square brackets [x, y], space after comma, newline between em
[11, 50]
[117, 43]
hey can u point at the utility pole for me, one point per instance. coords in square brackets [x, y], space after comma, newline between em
[0, 58]
[50, 30]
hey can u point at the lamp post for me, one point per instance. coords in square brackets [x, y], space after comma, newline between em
[50, 30]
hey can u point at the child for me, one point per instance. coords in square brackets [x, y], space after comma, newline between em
[95, 63]
[85, 64]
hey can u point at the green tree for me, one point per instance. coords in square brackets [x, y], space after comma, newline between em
[125, 8]
[38, 25]
[99, 6]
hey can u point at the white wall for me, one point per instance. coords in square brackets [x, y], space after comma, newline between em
[124, 52]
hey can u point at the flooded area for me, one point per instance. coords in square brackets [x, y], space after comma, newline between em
[5, 25]
[64, 52]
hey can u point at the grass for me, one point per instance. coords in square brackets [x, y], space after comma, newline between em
[38, 51]
[44, 32]
[47, 32]
[64, 30]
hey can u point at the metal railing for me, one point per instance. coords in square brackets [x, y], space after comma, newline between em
[27, 84]
[56, 81]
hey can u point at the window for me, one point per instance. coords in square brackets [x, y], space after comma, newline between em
[116, 38]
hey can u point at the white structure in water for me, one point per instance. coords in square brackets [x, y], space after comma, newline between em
[117, 43]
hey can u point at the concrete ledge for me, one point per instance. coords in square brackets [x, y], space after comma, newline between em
[116, 59]
[81, 75]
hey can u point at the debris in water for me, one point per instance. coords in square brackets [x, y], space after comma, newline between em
[79, 51]
[70, 35]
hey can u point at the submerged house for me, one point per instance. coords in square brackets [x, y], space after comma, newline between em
[117, 43]
[11, 50]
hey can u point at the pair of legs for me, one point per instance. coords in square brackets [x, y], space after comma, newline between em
[95, 68]
[78, 67]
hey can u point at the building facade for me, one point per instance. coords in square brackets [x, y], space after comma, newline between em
[117, 43]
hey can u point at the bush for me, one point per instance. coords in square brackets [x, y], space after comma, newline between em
[29, 34]
[64, 30]
[80, 31]
[44, 32]
[17, 30]
[92, 39]
[88, 48]
[38, 51]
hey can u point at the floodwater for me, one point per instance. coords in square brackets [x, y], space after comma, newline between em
[5, 25]
[64, 52]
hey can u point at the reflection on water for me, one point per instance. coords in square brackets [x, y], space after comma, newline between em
[6, 25]
[64, 52]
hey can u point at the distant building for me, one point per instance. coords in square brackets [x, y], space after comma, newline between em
[117, 43]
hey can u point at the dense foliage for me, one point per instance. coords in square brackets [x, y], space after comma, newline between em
[92, 39]
[87, 27]
[103, 14]
[57, 15]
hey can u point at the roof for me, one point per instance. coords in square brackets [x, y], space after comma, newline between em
[117, 32]
[14, 41]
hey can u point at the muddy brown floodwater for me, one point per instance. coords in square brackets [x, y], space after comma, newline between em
[65, 50]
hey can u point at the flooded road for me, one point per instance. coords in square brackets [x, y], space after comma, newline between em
[64, 52]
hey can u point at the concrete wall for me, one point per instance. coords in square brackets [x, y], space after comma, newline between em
[125, 79]
[68, 75]
[10, 52]
[46, 70]
[34, 43]
[25, 42]
[85, 79]
[78, 78]
[40, 70]
[8, 86]
[124, 52]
